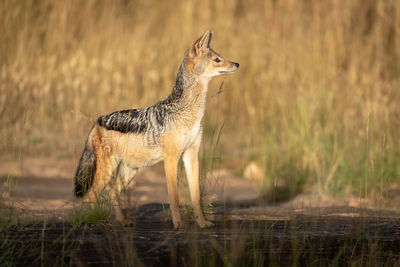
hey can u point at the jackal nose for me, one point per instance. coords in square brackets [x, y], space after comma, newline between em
[236, 64]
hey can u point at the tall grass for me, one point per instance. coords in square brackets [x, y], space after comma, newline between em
[314, 76]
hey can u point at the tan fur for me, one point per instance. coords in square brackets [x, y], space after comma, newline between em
[119, 155]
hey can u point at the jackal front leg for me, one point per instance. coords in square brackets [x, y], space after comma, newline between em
[171, 164]
[191, 162]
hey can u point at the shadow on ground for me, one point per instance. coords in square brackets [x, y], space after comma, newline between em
[265, 236]
[249, 230]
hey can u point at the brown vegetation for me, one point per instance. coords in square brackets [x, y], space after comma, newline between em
[315, 102]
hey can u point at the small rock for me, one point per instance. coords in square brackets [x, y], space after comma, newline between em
[253, 172]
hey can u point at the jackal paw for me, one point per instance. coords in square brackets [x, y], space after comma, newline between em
[205, 223]
[127, 222]
[179, 225]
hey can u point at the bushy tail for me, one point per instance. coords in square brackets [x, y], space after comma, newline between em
[85, 173]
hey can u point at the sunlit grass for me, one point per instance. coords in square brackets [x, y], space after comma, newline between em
[100, 212]
[313, 76]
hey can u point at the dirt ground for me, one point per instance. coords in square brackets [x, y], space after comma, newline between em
[306, 229]
[43, 186]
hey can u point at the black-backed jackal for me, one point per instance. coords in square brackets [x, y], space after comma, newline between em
[122, 142]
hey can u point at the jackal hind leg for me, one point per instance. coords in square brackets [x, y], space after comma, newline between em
[124, 176]
[191, 162]
[106, 166]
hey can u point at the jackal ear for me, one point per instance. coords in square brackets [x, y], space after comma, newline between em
[205, 40]
[202, 44]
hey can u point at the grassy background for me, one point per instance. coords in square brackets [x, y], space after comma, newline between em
[316, 100]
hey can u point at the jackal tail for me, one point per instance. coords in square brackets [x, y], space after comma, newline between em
[85, 172]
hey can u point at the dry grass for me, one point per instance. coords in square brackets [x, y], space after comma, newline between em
[315, 101]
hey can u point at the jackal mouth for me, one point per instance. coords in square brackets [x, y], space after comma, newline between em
[232, 69]
[227, 71]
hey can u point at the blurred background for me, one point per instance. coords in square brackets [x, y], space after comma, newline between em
[315, 104]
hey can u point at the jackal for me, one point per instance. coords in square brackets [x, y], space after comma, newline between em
[122, 142]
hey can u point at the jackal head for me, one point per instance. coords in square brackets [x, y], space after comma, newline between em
[205, 62]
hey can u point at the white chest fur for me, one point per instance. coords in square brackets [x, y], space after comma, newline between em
[192, 134]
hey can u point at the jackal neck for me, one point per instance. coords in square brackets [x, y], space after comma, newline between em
[189, 91]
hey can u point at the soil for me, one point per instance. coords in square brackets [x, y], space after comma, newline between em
[249, 230]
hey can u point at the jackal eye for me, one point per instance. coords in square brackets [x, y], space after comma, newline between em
[217, 60]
